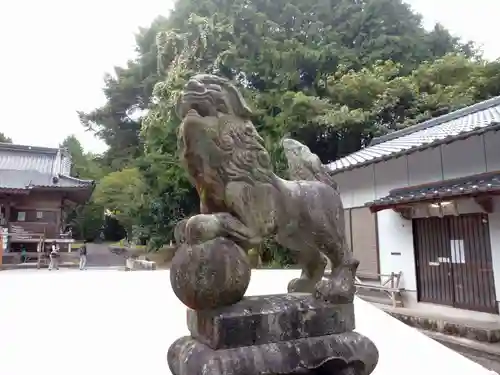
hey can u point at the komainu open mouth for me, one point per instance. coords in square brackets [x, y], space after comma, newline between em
[193, 112]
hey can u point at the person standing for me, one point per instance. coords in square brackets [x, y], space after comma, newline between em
[54, 256]
[83, 256]
[23, 254]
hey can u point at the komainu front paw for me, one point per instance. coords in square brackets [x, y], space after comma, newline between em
[339, 288]
[300, 286]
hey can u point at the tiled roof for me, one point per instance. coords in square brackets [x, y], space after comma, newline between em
[10, 179]
[31, 158]
[476, 184]
[25, 167]
[42, 163]
[476, 119]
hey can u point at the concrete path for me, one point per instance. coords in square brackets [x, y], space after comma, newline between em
[486, 354]
[101, 322]
[98, 255]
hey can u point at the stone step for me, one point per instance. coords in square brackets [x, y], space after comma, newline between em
[490, 351]
[480, 330]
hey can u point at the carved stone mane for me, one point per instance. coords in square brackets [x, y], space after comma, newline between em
[217, 141]
[304, 165]
[213, 91]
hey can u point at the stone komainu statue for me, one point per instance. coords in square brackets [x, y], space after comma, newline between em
[242, 199]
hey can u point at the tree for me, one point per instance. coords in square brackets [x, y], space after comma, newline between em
[128, 92]
[83, 165]
[120, 193]
[87, 219]
[280, 46]
[332, 73]
[379, 99]
[4, 138]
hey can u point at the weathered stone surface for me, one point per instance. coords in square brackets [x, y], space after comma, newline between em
[213, 274]
[267, 319]
[242, 202]
[132, 264]
[339, 287]
[241, 198]
[338, 354]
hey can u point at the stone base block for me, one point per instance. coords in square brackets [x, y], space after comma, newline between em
[139, 264]
[338, 354]
[268, 319]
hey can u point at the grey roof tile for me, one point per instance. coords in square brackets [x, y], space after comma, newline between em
[22, 167]
[475, 184]
[27, 161]
[12, 179]
[448, 127]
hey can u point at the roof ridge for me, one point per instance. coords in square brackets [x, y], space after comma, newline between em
[437, 120]
[74, 178]
[28, 148]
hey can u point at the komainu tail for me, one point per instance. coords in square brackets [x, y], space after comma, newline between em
[303, 165]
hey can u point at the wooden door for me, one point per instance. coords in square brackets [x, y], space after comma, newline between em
[454, 265]
[363, 227]
[434, 274]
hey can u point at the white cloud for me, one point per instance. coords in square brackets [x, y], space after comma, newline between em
[470, 20]
[54, 58]
[55, 54]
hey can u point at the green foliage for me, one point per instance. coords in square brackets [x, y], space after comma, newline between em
[331, 73]
[87, 219]
[4, 138]
[84, 165]
[120, 193]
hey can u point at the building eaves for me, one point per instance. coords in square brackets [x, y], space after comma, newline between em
[27, 180]
[477, 119]
[470, 185]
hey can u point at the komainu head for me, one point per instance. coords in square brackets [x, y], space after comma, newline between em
[217, 140]
[208, 95]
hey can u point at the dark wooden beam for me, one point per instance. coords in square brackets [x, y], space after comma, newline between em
[404, 211]
[486, 203]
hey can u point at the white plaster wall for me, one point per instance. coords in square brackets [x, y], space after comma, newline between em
[363, 180]
[390, 174]
[494, 221]
[346, 186]
[356, 186]
[396, 236]
[396, 247]
[474, 155]
[464, 158]
[424, 167]
[492, 145]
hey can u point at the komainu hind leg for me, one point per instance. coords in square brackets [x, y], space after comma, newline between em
[340, 286]
[313, 268]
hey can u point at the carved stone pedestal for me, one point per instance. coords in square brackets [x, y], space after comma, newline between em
[266, 335]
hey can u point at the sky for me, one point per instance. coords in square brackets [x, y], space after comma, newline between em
[54, 55]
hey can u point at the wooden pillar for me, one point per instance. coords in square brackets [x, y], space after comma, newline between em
[7, 213]
[1, 249]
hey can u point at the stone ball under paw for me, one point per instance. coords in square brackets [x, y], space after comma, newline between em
[212, 274]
